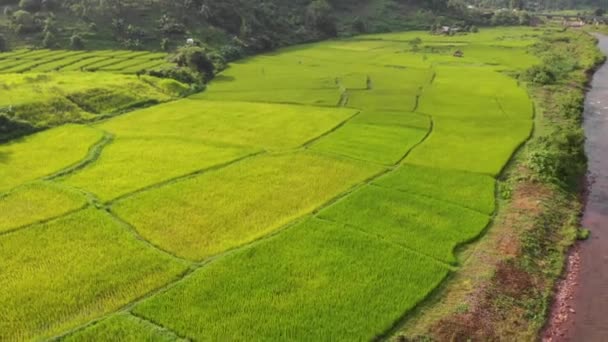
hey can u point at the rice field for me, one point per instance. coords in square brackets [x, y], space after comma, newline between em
[59, 60]
[318, 192]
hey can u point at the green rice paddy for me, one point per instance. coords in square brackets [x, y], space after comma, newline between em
[318, 192]
[47, 60]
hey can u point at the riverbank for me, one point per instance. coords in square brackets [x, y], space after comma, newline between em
[583, 293]
[505, 286]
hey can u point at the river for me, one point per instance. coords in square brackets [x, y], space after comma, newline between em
[589, 321]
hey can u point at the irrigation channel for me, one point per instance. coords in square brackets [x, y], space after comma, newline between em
[589, 303]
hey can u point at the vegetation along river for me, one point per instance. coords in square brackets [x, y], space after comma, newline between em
[590, 303]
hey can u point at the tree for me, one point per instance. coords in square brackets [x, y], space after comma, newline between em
[23, 22]
[517, 4]
[49, 40]
[599, 12]
[8, 11]
[319, 15]
[359, 25]
[3, 44]
[30, 5]
[76, 42]
[164, 44]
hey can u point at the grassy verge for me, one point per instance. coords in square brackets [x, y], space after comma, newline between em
[505, 286]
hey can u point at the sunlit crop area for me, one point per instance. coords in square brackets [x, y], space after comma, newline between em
[319, 192]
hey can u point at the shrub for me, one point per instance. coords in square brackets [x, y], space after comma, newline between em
[181, 74]
[559, 157]
[540, 75]
[173, 87]
[196, 59]
[231, 52]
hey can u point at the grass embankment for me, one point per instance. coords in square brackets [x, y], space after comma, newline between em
[504, 289]
[47, 88]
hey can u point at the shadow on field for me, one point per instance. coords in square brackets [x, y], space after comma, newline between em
[4, 157]
[223, 78]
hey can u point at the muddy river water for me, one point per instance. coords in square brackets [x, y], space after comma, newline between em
[589, 321]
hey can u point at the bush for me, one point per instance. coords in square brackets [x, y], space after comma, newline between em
[181, 74]
[540, 75]
[196, 59]
[559, 158]
[231, 52]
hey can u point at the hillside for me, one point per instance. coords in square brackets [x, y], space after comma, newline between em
[251, 25]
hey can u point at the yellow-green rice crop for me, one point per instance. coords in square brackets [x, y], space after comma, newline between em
[268, 126]
[135, 163]
[123, 328]
[223, 209]
[481, 145]
[315, 282]
[340, 175]
[36, 202]
[66, 272]
[422, 224]
[47, 60]
[44, 154]
[376, 143]
[467, 189]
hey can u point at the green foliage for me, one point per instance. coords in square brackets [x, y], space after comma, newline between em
[195, 58]
[24, 22]
[4, 47]
[559, 157]
[540, 74]
[319, 16]
[76, 42]
[583, 234]
[49, 40]
[30, 5]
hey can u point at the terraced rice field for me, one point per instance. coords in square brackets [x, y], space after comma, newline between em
[128, 62]
[315, 193]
